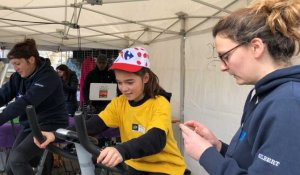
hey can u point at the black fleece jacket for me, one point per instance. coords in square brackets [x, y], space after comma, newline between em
[42, 89]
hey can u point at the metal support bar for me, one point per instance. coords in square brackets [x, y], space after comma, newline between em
[202, 22]
[182, 16]
[129, 21]
[163, 31]
[212, 6]
[138, 37]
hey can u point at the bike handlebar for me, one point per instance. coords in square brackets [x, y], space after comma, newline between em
[82, 136]
[32, 118]
[90, 147]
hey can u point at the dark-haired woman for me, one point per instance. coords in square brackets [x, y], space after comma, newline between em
[70, 85]
[35, 83]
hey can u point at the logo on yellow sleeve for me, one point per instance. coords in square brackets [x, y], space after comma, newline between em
[138, 128]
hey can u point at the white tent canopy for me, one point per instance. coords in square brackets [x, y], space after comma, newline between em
[177, 34]
[70, 24]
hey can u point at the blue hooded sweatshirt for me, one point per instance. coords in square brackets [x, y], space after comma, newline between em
[42, 89]
[268, 141]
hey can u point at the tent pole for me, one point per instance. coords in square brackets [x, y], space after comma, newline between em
[5, 68]
[182, 17]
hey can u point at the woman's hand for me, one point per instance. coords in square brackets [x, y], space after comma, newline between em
[49, 137]
[194, 144]
[204, 132]
[110, 157]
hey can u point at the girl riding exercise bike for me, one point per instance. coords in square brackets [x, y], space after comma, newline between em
[143, 115]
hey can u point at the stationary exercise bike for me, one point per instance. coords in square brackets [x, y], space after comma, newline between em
[85, 159]
[89, 146]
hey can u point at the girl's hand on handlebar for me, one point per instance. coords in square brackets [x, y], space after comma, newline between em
[109, 157]
[48, 136]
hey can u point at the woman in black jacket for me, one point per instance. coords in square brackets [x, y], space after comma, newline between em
[70, 85]
[34, 83]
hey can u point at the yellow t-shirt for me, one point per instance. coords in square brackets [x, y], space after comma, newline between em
[135, 121]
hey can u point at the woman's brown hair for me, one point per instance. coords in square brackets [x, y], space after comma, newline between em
[276, 22]
[24, 49]
[66, 70]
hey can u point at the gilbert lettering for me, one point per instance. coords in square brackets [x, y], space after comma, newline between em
[37, 84]
[268, 160]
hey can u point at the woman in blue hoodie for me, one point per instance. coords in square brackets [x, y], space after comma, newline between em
[255, 45]
[35, 83]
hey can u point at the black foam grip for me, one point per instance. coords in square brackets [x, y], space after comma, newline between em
[35, 127]
[90, 147]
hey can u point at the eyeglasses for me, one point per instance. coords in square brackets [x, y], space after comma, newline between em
[225, 56]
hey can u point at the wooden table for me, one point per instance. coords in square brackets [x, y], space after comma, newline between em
[175, 120]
